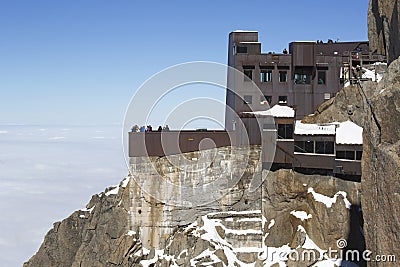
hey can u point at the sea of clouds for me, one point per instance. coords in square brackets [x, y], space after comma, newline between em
[46, 173]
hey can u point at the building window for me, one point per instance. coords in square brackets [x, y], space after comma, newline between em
[248, 99]
[304, 146]
[345, 155]
[265, 99]
[324, 147]
[248, 75]
[282, 76]
[266, 76]
[303, 75]
[327, 96]
[321, 77]
[241, 49]
[285, 131]
[282, 99]
[358, 155]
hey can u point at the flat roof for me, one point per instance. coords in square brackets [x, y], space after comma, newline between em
[277, 111]
[349, 133]
[314, 129]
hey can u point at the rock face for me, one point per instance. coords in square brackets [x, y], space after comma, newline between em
[299, 213]
[289, 214]
[348, 104]
[381, 167]
[96, 236]
[384, 28]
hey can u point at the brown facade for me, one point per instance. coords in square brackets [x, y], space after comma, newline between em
[176, 142]
[304, 77]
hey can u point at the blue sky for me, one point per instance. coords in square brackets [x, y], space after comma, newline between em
[79, 62]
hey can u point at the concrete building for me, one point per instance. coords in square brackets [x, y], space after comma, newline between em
[305, 76]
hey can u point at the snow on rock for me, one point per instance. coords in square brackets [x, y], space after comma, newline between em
[113, 191]
[328, 201]
[272, 223]
[302, 215]
[88, 210]
[159, 255]
[125, 182]
[370, 74]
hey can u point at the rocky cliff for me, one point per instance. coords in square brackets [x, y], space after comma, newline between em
[384, 28]
[97, 235]
[289, 214]
[381, 167]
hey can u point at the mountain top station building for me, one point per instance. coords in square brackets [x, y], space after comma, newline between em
[294, 83]
[303, 77]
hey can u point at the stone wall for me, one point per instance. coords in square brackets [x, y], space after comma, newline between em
[384, 28]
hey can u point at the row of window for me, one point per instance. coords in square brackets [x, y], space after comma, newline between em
[349, 154]
[248, 99]
[325, 147]
[317, 147]
[299, 78]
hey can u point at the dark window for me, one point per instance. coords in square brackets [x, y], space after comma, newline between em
[321, 77]
[282, 99]
[324, 147]
[248, 99]
[265, 98]
[358, 155]
[303, 75]
[241, 49]
[304, 146]
[282, 76]
[285, 131]
[266, 76]
[345, 155]
[248, 75]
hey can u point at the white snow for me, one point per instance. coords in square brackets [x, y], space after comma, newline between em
[300, 214]
[370, 74]
[88, 210]
[125, 182]
[242, 232]
[282, 111]
[277, 111]
[328, 201]
[314, 129]
[349, 133]
[113, 191]
[272, 223]
[131, 233]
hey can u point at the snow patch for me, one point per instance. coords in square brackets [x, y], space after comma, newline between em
[328, 201]
[272, 223]
[113, 191]
[88, 210]
[302, 215]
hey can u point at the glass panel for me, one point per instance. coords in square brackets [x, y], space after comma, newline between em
[309, 146]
